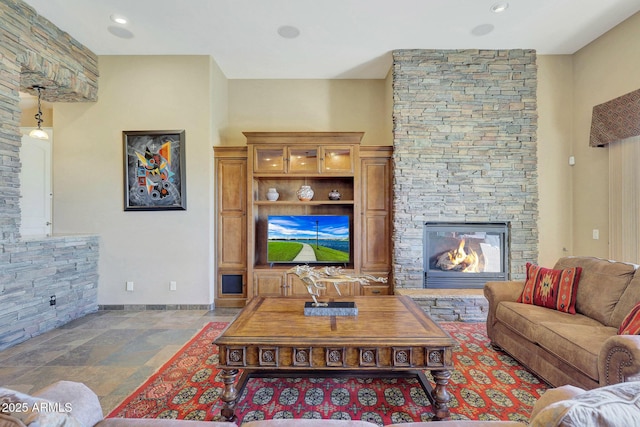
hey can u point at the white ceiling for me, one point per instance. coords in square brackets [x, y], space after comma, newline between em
[338, 38]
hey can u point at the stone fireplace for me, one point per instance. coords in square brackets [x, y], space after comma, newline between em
[464, 151]
[465, 255]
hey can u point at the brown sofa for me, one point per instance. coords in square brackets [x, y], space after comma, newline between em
[72, 404]
[581, 349]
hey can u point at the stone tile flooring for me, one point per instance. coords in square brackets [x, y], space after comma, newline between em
[112, 352]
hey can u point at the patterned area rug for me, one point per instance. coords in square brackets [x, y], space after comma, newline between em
[486, 385]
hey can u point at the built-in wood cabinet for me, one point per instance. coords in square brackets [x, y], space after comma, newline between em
[305, 159]
[375, 198]
[325, 161]
[231, 229]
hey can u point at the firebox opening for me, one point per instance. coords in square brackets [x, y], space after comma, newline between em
[465, 255]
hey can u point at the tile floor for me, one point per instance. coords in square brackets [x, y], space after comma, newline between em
[112, 352]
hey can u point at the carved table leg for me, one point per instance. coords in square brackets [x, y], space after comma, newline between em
[441, 395]
[230, 394]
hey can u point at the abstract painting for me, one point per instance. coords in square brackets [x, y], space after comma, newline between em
[154, 170]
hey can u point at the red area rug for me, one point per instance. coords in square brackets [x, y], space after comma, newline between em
[486, 385]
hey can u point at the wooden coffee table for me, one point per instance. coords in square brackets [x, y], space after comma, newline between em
[389, 334]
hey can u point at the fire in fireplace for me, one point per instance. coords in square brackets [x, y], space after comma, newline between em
[465, 255]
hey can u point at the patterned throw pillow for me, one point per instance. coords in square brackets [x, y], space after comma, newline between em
[631, 323]
[550, 288]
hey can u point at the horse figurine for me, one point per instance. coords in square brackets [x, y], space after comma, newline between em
[315, 280]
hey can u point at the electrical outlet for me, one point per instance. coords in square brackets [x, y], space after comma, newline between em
[52, 300]
[130, 286]
[596, 234]
[172, 285]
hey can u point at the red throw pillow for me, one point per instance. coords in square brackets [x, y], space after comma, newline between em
[550, 288]
[631, 323]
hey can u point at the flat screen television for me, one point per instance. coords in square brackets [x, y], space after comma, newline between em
[308, 239]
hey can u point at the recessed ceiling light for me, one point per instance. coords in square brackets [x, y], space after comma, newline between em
[499, 7]
[288, 32]
[119, 19]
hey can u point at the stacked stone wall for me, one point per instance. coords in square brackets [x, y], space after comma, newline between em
[36, 270]
[33, 51]
[465, 126]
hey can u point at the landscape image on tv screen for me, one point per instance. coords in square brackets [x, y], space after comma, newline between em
[308, 239]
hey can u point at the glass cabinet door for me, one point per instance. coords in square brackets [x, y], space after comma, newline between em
[337, 160]
[268, 159]
[303, 160]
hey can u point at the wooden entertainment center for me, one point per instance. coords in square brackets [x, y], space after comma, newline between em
[325, 161]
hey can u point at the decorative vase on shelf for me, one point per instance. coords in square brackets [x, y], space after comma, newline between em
[272, 195]
[334, 195]
[305, 193]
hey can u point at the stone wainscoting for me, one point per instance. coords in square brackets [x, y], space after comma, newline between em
[450, 305]
[35, 270]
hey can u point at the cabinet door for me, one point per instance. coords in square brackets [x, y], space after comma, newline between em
[268, 159]
[231, 216]
[376, 210]
[269, 284]
[303, 160]
[296, 287]
[232, 242]
[337, 159]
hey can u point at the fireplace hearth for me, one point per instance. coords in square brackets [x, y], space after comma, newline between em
[465, 255]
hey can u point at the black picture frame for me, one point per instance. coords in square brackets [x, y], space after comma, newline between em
[154, 170]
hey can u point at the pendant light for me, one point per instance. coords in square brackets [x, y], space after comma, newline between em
[39, 133]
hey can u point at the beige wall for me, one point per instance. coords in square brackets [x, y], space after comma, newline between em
[555, 94]
[603, 70]
[308, 105]
[148, 248]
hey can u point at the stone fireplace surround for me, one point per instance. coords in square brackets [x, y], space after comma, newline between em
[464, 134]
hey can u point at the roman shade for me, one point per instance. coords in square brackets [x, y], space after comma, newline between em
[615, 120]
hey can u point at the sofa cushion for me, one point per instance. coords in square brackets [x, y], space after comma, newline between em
[631, 323]
[81, 402]
[36, 411]
[576, 345]
[602, 283]
[554, 395]
[629, 298]
[525, 319]
[616, 405]
[9, 421]
[551, 288]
